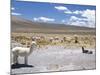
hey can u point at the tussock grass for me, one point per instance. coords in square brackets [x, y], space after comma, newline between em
[64, 39]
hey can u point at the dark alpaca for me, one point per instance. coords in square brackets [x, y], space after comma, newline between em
[90, 52]
[86, 51]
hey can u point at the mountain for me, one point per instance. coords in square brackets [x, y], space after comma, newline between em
[19, 24]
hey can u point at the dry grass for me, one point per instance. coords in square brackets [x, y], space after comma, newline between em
[64, 39]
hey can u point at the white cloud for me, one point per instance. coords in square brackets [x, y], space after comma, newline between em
[77, 21]
[90, 15]
[44, 19]
[81, 21]
[87, 18]
[16, 14]
[60, 8]
[12, 8]
[77, 12]
[74, 18]
[68, 12]
[63, 21]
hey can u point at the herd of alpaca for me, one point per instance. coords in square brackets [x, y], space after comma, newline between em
[24, 52]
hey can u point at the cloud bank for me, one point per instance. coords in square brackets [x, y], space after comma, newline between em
[44, 19]
[16, 14]
[78, 17]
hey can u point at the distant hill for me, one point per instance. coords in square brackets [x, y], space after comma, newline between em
[19, 24]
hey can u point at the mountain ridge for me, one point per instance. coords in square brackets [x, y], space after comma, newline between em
[19, 24]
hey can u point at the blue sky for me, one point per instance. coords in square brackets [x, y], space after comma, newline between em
[69, 14]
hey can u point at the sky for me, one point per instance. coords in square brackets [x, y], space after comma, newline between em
[68, 14]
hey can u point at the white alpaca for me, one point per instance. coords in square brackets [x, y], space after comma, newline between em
[22, 51]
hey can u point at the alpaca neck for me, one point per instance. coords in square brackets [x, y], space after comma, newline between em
[32, 48]
[83, 49]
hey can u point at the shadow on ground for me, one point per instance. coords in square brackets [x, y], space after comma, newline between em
[14, 66]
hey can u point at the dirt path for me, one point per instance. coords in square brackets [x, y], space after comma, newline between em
[56, 58]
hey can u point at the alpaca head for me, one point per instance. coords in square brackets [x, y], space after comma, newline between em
[33, 44]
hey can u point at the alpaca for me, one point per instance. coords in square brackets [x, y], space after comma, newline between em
[51, 39]
[90, 52]
[86, 51]
[22, 51]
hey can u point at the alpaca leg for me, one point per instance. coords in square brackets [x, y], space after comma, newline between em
[26, 60]
[16, 59]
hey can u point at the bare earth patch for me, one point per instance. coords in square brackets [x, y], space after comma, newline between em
[57, 58]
